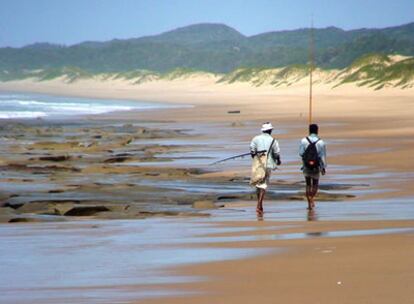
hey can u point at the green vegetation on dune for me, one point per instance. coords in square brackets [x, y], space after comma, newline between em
[70, 73]
[270, 76]
[241, 75]
[136, 76]
[374, 70]
[7, 75]
[403, 69]
[181, 73]
[296, 71]
[378, 71]
[366, 67]
[141, 76]
[401, 73]
[371, 58]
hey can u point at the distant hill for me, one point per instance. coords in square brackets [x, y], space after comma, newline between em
[214, 48]
[197, 35]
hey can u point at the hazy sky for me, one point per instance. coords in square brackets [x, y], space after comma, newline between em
[71, 21]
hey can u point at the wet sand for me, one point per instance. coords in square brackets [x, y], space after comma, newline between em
[317, 269]
[345, 252]
[228, 258]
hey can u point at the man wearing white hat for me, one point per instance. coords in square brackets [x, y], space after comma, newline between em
[265, 152]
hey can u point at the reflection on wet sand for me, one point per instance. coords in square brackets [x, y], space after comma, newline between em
[120, 261]
[312, 215]
[97, 260]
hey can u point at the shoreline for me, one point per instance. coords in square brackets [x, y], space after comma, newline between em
[70, 94]
[43, 106]
[213, 101]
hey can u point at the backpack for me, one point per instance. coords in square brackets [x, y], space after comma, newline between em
[310, 157]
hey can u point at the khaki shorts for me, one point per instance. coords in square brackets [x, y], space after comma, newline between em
[265, 183]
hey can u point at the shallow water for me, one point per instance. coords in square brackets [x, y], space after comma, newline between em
[366, 210]
[121, 261]
[94, 261]
[305, 235]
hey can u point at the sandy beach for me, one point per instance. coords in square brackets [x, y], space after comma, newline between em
[150, 167]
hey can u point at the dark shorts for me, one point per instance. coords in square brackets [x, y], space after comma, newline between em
[315, 174]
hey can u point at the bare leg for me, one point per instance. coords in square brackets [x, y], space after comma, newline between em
[260, 197]
[258, 200]
[315, 187]
[309, 192]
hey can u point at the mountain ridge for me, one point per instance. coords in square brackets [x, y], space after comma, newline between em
[213, 47]
[195, 25]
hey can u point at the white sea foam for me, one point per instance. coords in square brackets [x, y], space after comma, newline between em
[29, 106]
[87, 110]
[29, 102]
[71, 106]
[12, 96]
[21, 114]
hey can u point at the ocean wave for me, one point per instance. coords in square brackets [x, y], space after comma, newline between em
[44, 103]
[13, 96]
[76, 109]
[21, 114]
[49, 108]
[28, 106]
[74, 106]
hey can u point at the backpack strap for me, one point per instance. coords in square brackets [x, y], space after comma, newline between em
[271, 145]
[268, 151]
[312, 143]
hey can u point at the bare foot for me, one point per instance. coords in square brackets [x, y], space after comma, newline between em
[312, 216]
[310, 204]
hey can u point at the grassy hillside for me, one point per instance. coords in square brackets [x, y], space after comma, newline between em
[267, 76]
[215, 48]
[372, 70]
[378, 71]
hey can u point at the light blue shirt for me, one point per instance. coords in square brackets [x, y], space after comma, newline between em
[262, 142]
[320, 147]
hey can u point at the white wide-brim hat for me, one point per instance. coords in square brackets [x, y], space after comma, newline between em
[267, 126]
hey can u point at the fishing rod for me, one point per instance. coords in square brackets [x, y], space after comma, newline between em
[235, 157]
[311, 67]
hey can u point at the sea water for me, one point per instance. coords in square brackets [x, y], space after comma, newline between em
[18, 105]
[119, 261]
